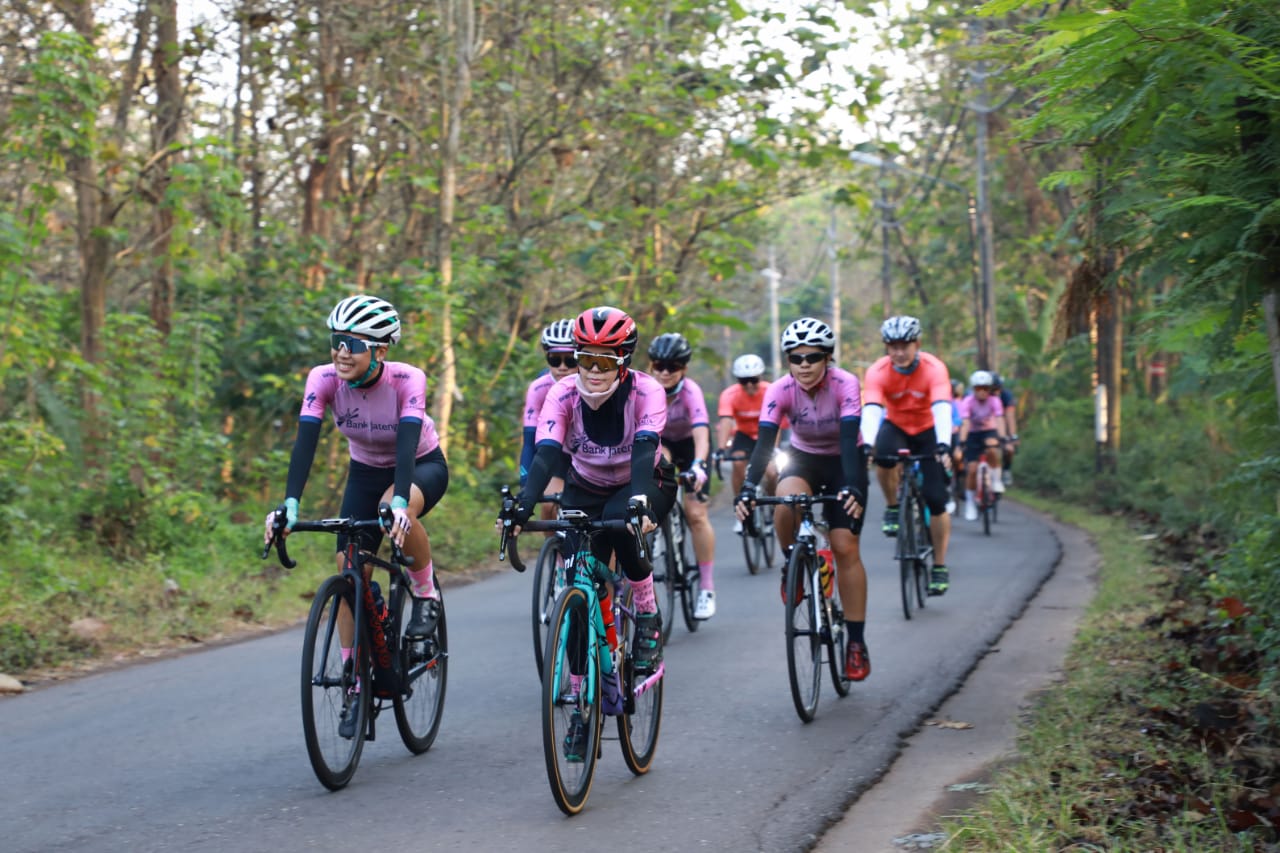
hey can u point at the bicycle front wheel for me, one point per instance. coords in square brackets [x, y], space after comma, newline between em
[425, 664]
[753, 543]
[923, 540]
[641, 719]
[571, 701]
[548, 580]
[804, 642]
[329, 688]
[689, 596]
[666, 574]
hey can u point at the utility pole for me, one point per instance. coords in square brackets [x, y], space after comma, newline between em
[982, 109]
[833, 252]
[886, 223]
[773, 276]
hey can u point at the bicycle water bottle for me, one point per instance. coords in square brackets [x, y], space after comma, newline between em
[610, 630]
[826, 571]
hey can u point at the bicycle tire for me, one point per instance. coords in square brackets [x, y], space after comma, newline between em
[689, 589]
[425, 665]
[804, 645]
[544, 594]
[923, 540]
[753, 543]
[688, 556]
[641, 722]
[837, 641]
[666, 575]
[325, 686]
[907, 553]
[570, 636]
[769, 542]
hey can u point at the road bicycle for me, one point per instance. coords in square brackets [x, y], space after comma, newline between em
[814, 620]
[914, 543]
[385, 666]
[675, 568]
[759, 545]
[987, 498]
[588, 670]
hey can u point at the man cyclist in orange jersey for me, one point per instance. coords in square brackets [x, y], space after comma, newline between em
[906, 403]
[739, 426]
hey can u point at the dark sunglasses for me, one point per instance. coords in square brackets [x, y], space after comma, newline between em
[806, 358]
[754, 380]
[599, 361]
[355, 346]
[666, 366]
[558, 359]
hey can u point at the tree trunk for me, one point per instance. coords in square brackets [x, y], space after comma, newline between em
[166, 125]
[459, 17]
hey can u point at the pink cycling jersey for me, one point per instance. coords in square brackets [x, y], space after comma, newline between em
[982, 414]
[535, 397]
[686, 409]
[560, 422]
[369, 417]
[815, 414]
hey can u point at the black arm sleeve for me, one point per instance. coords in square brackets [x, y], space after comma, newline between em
[407, 435]
[644, 454]
[304, 453]
[852, 463]
[760, 456]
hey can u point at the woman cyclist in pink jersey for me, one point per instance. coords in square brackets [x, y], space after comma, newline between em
[981, 431]
[396, 458]
[824, 405]
[608, 418]
[557, 344]
[686, 441]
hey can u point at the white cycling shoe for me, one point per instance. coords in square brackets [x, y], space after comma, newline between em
[997, 482]
[970, 509]
[706, 606]
[737, 525]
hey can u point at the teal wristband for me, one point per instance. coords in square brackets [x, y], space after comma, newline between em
[399, 503]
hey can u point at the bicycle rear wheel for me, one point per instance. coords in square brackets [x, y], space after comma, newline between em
[641, 720]
[908, 556]
[327, 685]
[689, 589]
[837, 641]
[570, 712]
[923, 541]
[804, 643]
[425, 664]
[547, 583]
[666, 574]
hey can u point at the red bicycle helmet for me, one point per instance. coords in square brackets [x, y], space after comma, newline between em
[606, 327]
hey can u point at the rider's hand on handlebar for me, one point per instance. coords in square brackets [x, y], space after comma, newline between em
[944, 455]
[639, 505]
[746, 498]
[291, 518]
[852, 500]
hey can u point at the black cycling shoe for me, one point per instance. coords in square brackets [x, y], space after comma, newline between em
[347, 728]
[646, 643]
[422, 623]
[939, 580]
[575, 741]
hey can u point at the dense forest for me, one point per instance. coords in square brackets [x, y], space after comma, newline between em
[1082, 195]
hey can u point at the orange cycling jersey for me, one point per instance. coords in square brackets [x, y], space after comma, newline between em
[744, 408]
[907, 398]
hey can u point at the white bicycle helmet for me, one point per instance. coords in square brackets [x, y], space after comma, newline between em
[366, 315]
[748, 366]
[559, 335]
[900, 328]
[981, 378]
[808, 331]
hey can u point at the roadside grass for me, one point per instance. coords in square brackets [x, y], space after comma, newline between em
[67, 609]
[1156, 739]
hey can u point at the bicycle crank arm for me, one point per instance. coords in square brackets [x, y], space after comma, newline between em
[651, 680]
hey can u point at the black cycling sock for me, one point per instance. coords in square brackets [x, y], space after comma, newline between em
[939, 565]
[855, 631]
[892, 506]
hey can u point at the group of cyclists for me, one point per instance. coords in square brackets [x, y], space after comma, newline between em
[609, 437]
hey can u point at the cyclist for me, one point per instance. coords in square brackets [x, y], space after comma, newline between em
[907, 403]
[557, 344]
[608, 418]
[824, 404]
[1004, 472]
[739, 424]
[981, 431]
[396, 458]
[686, 441]
[957, 451]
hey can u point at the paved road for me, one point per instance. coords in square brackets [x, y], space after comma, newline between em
[204, 752]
